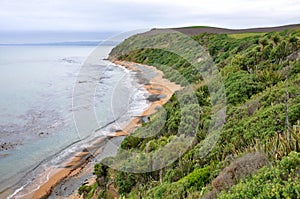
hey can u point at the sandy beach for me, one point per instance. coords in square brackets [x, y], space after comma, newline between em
[157, 86]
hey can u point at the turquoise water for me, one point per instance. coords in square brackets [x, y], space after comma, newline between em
[36, 112]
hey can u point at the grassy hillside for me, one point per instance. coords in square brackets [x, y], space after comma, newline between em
[257, 154]
[196, 30]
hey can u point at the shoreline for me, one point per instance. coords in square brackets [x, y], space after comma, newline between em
[156, 86]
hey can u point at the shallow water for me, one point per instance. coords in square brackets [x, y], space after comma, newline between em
[36, 112]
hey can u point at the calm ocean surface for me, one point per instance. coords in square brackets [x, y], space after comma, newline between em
[37, 128]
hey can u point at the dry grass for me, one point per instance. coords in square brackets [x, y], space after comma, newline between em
[237, 170]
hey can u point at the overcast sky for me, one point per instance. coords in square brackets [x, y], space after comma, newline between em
[124, 15]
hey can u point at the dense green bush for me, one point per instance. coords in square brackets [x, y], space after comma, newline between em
[124, 182]
[240, 86]
[195, 181]
[100, 170]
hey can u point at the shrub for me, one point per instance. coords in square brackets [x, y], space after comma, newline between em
[197, 179]
[84, 189]
[194, 181]
[101, 171]
[124, 182]
[240, 86]
[280, 181]
[238, 169]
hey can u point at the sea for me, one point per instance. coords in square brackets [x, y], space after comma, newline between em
[42, 122]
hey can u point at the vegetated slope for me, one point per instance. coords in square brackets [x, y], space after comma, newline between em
[196, 30]
[259, 144]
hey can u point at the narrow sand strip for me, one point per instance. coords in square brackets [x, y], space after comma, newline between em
[157, 86]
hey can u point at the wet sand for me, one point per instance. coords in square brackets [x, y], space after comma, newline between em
[156, 85]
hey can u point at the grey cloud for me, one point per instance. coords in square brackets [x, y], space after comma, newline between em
[117, 15]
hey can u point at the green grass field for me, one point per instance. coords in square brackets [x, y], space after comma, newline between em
[245, 35]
